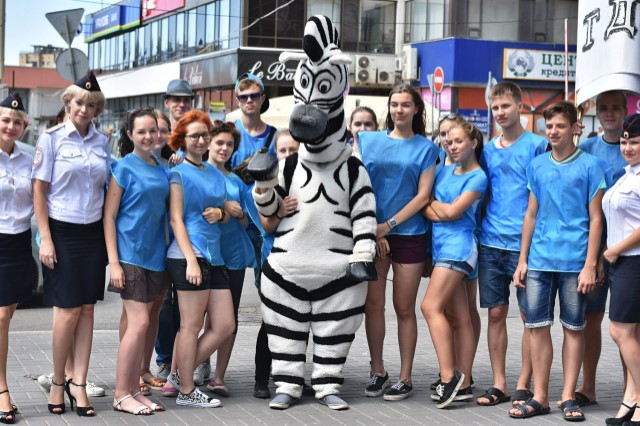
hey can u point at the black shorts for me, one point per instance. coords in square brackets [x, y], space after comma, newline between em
[213, 277]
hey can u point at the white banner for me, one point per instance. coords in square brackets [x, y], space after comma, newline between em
[549, 65]
[608, 47]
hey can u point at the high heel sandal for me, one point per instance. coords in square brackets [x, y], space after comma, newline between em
[618, 421]
[60, 407]
[81, 411]
[7, 417]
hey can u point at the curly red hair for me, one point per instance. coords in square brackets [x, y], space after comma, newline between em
[179, 132]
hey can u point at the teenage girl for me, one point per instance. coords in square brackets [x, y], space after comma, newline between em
[362, 119]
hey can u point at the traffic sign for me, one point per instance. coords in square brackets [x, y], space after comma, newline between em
[66, 22]
[72, 63]
[438, 80]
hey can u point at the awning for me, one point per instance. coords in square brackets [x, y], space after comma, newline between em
[141, 81]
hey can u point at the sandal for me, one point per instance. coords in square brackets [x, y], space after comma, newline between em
[87, 411]
[521, 395]
[571, 406]
[495, 396]
[525, 413]
[144, 389]
[155, 383]
[7, 417]
[117, 406]
[152, 407]
[60, 407]
[583, 400]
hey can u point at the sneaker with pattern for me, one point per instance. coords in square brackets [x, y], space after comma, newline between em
[449, 390]
[401, 390]
[197, 398]
[377, 384]
[202, 373]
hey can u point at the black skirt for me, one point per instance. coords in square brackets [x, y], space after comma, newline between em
[15, 268]
[78, 278]
[625, 290]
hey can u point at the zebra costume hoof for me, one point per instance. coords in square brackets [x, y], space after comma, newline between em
[263, 167]
[362, 271]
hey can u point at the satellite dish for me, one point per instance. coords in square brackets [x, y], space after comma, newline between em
[72, 63]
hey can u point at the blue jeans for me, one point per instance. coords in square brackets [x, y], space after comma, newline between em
[256, 239]
[168, 326]
[495, 273]
[541, 288]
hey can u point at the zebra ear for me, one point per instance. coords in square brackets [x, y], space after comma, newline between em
[340, 59]
[292, 56]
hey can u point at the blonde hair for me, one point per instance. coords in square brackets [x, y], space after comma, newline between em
[74, 91]
[14, 112]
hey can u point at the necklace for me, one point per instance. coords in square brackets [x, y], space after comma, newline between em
[200, 166]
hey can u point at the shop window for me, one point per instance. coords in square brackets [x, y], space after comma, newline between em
[107, 54]
[154, 41]
[124, 64]
[224, 23]
[180, 33]
[426, 20]
[171, 37]
[212, 19]
[133, 48]
[140, 41]
[328, 8]
[234, 21]
[191, 32]
[163, 47]
[147, 46]
[201, 21]
[90, 55]
[291, 22]
[500, 19]
[263, 33]
[377, 26]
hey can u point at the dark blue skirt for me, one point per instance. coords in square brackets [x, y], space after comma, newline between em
[625, 290]
[15, 268]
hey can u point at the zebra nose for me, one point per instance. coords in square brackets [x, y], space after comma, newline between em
[308, 124]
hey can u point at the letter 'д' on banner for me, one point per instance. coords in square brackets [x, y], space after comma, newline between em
[608, 47]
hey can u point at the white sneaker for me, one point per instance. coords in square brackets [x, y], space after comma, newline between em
[45, 381]
[197, 399]
[93, 390]
[202, 373]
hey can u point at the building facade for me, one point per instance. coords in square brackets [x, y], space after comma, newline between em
[41, 57]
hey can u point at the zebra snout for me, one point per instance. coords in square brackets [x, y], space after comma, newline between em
[308, 123]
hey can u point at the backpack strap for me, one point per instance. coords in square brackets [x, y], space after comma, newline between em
[272, 132]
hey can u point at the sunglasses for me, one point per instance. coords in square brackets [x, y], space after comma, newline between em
[450, 116]
[245, 97]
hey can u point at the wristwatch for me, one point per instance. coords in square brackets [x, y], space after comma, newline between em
[392, 223]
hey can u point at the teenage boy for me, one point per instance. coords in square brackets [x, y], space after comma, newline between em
[611, 109]
[505, 160]
[178, 101]
[560, 243]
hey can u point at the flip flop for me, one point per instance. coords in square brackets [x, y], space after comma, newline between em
[571, 406]
[583, 400]
[521, 395]
[495, 397]
[538, 410]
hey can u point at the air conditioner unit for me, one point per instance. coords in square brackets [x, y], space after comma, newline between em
[386, 70]
[366, 69]
[409, 63]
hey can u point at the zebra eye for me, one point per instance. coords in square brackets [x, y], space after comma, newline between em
[324, 86]
[304, 81]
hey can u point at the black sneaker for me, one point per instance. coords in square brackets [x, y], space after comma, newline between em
[435, 384]
[448, 391]
[463, 395]
[377, 384]
[261, 390]
[473, 384]
[399, 391]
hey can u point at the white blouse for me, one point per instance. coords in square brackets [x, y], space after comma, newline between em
[621, 206]
[16, 191]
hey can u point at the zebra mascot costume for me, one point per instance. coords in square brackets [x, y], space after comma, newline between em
[315, 277]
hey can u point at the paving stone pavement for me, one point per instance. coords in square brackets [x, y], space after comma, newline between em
[30, 355]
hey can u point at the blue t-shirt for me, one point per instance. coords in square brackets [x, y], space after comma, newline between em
[609, 153]
[249, 145]
[455, 239]
[142, 215]
[506, 169]
[395, 167]
[563, 191]
[201, 188]
[235, 245]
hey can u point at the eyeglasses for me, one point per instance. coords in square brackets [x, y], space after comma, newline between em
[245, 97]
[195, 137]
[450, 116]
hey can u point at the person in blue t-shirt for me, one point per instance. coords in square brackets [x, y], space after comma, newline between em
[560, 242]
[401, 164]
[194, 260]
[457, 198]
[611, 108]
[505, 160]
[135, 215]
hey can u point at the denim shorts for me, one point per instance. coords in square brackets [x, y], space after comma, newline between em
[495, 274]
[463, 267]
[597, 299]
[540, 290]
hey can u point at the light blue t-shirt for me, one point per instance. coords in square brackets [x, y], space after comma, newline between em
[202, 188]
[142, 215]
[455, 239]
[249, 145]
[609, 153]
[506, 169]
[395, 167]
[563, 192]
[235, 245]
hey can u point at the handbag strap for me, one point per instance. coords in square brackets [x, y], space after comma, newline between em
[272, 132]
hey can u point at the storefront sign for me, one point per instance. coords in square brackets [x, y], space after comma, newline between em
[267, 67]
[211, 72]
[153, 8]
[119, 17]
[548, 65]
[476, 117]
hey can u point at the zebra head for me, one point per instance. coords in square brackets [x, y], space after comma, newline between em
[320, 83]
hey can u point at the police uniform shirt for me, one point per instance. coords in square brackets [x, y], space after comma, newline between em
[76, 168]
[16, 191]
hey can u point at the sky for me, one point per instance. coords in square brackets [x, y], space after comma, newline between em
[26, 24]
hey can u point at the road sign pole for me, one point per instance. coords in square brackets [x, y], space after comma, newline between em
[73, 68]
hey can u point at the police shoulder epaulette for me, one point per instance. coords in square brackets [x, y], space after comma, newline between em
[54, 128]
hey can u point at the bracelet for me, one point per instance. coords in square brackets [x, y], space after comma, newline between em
[223, 214]
[389, 225]
[219, 214]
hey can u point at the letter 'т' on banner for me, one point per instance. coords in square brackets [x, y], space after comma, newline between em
[608, 47]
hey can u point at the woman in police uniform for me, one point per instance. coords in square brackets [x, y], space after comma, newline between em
[16, 209]
[70, 169]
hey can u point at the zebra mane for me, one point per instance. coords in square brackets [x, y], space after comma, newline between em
[321, 42]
